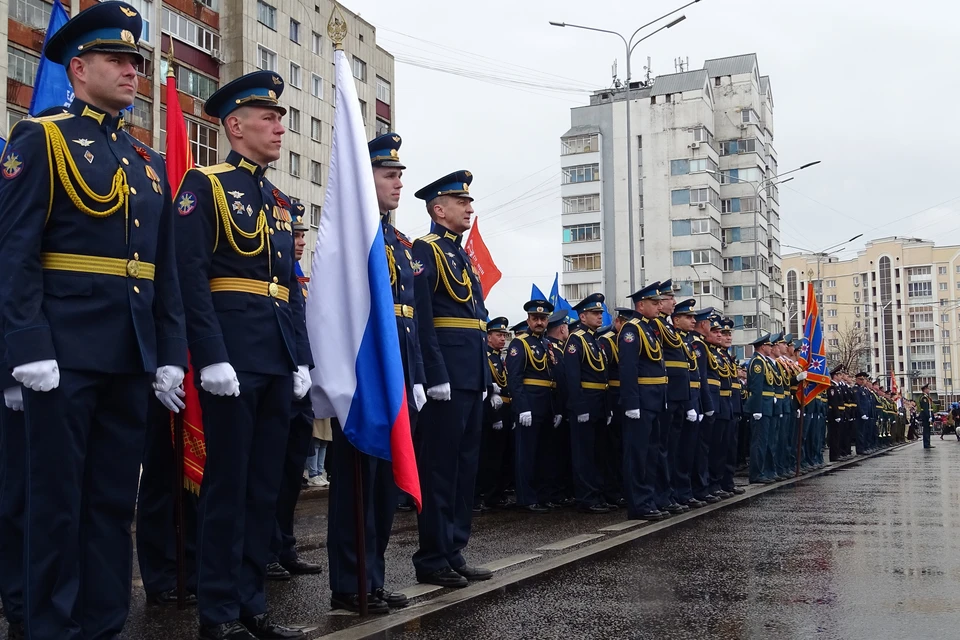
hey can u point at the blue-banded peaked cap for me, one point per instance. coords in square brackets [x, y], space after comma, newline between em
[256, 89]
[105, 27]
[452, 184]
[649, 292]
[385, 151]
[498, 324]
[685, 308]
[542, 307]
[593, 302]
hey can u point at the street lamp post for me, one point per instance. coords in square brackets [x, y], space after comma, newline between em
[629, 46]
[823, 253]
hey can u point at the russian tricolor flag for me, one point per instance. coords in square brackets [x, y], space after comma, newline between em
[350, 318]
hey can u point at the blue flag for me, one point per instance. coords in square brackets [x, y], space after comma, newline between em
[51, 87]
[536, 294]
[559, 303]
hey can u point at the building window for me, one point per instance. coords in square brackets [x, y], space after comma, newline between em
[267, 15]
[830, 299]
[833, 342]
[579, 144]
[942, 271]
[730, 205]
[203, 143]
[580, 291]
[294, 30]
[13, 117]
[142, 115]
[831, 284]
[314, 215]
[295, 78]
[316, 86]
[942, 286]
[382, 127]
[582, 262]
[833, 327]
[266, 59]
[363, 110]
[186, 30]
[731, 235]
[383, 90]
[145, 7]
[195, 84]
[295, 164]
[695, 165]
[582, 204]
[582, 232]
[294, 120]
[22, 66]
[945, 333]
[359, 69]
[315, 126]
[33, 13]
[315, 172]
[210, 4]
[581, 173]
[831, 313]
[919, 289]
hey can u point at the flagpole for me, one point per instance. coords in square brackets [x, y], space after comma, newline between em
[178, 457]
[799, 435]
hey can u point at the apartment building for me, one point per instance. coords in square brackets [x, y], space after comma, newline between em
[704, 213]
[214, 42]
[901, 294]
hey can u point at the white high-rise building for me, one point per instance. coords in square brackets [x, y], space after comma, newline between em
[702, 147]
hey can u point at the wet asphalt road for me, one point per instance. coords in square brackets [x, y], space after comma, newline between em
[866, 551]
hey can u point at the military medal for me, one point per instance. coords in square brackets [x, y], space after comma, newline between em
[237, 206]
[249, 210]
[83, 142]
[88, 157]
[142, 153]
[236, 194]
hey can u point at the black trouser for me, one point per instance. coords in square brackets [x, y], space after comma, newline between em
[495, 450]
[283, 545]
[610, 450]
[587, 478]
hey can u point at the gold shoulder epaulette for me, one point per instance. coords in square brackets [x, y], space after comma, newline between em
[54, 118]
[578, 332]
[223, 167]
[430, 237]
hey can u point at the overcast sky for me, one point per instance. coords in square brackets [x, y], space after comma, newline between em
[868, 87]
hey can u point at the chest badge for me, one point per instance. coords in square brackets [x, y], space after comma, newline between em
[187, 203]
[249, 210]
[142, 152]
[12, 165]
[83, 142]
[417, 267]
[237, 206]
[236, 194]
[88, 157]
[629, 337]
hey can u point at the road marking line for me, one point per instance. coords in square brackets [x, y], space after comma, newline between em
[417, 590]
[566, 543]
[510, 561]
[623, 526]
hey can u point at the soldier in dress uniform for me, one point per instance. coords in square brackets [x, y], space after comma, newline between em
[708, 327]
[679, 408]
[530, 381]
[722, 419]
[585, 367]
[496, 440]
[686, 439]
[284, 559]
[555, 469]
[736, 408]
[925, 406]
[780, 410]
[451, 321]
[248, 340]
[835, 437]
[643, 398]
[380, 493]
[88, 322]
[610, 437]
[760, 401]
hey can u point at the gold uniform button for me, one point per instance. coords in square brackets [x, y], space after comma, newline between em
[133, 190]
[275, 279]
[125, 161]
[136, 222]
[279, 255]
[408, 329]
[136, 289]
[271, 231]
[277, 303]
[113, 137]
[136, 256]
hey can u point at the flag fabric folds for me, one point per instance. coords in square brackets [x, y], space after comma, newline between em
[483, 263]
[51, 88]
[812, 357]
[361, 379]
[179, 160]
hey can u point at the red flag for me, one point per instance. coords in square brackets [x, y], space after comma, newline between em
[179, 161]
[483, 264]
[812, 357]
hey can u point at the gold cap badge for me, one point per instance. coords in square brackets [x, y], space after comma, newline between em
[127, 37]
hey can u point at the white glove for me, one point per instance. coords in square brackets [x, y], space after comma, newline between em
[699, 417]
[220, 379]
[802, 376]
[583, 417]
[439, 392]
[610, 418]
[526, 419]
[837, 420]
[13, 398]
[419, 397]
[496, 388]
[42, 375]
[556, 421]
[757, 416]
[774, 401]
[864, 418]
[168, 377]
[496, 401]
[633, 414]
[691, 416]
[498, 425]
[171, 399]
[708, 413]
[798, 413]
[484, 395]
[301, 381]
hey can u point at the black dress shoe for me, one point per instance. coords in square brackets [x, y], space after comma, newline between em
[16, 631]
[568, 502]
[552, 505]
[651, 515]
[674, 508]
[474, 573]
[394, 599]
[693, 503]
[535, 508]
[405, 507]
[594, 508]
[277, 572]
[262, 627]
[684, 508]
[298, 567]
[711, 499]
[169, 597]
[723, 495]
[351, 602]
[739, 491]
[930, 447]
[609, 505]
[226, 631]
[444, 578]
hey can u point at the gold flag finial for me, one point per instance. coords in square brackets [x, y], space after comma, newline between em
[337, 28]
[170, 71]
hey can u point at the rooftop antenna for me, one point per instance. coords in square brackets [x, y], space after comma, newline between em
[649, 71]
[681, 65]
[613, 72]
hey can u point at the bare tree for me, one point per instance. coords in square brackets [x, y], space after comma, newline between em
[852, 350]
